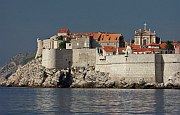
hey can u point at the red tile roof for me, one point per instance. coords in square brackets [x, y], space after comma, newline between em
[121, 49]
[110, 37]
[163, 45]
[109, 48]
[96, 35]
[175, 43]
[136, 46]
[113, 49]
[153, 44]
[151, 50]
[63, 30]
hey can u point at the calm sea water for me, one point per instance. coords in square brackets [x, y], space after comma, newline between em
[59, 101]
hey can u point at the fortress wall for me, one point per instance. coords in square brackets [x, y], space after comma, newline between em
[151, 67]
[84, 57]
[59, 59]
[171, 65]
[63, 58]
[55, 58]
[132, 68]
[48, 58]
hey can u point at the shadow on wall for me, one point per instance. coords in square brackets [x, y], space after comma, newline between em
[159, 68]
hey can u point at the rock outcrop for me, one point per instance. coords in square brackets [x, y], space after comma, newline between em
[33, 74]
[12, 65]
[173, 81]
[89, 78]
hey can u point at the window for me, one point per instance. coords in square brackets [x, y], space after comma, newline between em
[69, 44]
[144, 41]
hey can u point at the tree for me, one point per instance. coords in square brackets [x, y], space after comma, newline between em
[121, 42]
[60, 37]
[62, 45]
[169, 45]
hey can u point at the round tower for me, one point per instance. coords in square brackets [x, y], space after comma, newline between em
[39, 48]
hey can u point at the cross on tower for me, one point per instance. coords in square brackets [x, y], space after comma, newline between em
[145, 26]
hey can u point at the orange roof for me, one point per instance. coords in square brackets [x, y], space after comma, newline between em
[121, 49]
[96, 35]
[136, 46]
[87, 34]
[109, 48]
[146, 50]
[63, 30]
[110, 37]
[175, 43]
[153, 44]
[113, 49]
[163, 45]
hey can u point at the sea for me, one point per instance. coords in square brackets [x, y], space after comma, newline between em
[67, 101]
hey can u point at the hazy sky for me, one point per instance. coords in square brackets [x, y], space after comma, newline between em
[22, 21]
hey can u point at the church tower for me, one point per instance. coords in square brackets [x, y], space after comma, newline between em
[145, 37]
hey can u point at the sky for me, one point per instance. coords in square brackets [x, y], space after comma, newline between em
[23, 21]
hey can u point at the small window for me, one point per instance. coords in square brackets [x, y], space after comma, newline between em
[69, 44]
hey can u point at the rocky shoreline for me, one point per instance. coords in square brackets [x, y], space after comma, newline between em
[33, 74]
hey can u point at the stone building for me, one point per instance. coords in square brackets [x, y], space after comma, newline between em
[145, 37]
[51, 43]
[79, 43]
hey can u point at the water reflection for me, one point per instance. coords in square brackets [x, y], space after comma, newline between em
[53, 100]
[88, 101]
[111, 101]
[159, 102]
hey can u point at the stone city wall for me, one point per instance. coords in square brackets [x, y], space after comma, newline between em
[151, 67]
[171, 65]
[59, 59]
[131, 68]
[56, 58]
[84, 57]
